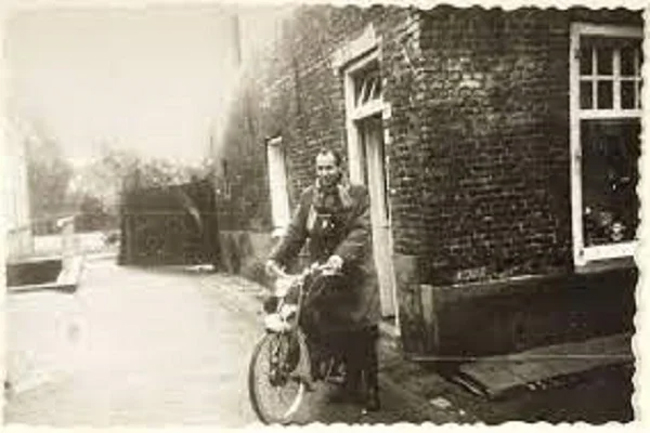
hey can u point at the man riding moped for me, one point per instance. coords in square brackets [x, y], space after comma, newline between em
[334, 217]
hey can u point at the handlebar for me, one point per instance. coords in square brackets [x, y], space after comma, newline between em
[276, 271]
[273, 270]
[284, 280]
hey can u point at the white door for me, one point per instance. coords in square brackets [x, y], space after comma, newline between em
[374, 174]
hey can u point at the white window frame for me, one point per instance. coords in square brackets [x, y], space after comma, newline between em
[277, 172]
[355, 113]
[582, 254]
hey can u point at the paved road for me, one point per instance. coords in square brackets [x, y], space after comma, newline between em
[145, 347]
[152, 348]
[166, 346]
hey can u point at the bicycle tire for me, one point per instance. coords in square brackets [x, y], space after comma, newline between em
[256, 378]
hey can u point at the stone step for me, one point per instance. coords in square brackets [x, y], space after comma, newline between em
[494, 376]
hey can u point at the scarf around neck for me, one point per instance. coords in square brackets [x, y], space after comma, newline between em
[328, 201]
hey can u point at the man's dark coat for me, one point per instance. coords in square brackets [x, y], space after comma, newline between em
[358, 304]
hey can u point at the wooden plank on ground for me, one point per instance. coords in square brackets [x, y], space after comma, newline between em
[499, 374]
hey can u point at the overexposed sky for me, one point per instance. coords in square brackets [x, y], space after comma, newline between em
[152, 79]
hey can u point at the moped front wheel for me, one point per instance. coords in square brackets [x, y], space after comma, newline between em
[277, 375]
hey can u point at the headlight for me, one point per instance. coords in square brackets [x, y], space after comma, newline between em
[288, 310]
[273, 322]
[282, 286]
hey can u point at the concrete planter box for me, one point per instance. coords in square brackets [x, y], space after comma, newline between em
[498, 317]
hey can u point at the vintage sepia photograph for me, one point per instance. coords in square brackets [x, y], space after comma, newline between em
[294, 213]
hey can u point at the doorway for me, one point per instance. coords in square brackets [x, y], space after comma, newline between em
[372, 164]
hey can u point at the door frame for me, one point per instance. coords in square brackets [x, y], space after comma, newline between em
[354, 116]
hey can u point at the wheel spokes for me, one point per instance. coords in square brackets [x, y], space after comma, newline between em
[279, 393]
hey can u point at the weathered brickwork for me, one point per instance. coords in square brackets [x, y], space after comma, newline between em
[493, 182]
[312, 37]
[295, 92]
[492, 161]
[478, 158]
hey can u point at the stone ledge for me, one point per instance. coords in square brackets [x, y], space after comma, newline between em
[67, 280]
[498, 375]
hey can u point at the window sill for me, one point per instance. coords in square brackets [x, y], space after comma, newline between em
[596, 266]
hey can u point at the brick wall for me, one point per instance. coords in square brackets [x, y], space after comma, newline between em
[296, 93]
[478, 157]
[491, 163]
[314, 114]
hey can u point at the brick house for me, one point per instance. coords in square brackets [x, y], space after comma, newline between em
[499, 148]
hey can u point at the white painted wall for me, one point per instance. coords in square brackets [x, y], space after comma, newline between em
[15, 195]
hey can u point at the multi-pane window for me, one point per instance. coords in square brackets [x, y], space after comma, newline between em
[367, 85]
[366, 92]
[363, 101]
[606, 90]
[610, 73]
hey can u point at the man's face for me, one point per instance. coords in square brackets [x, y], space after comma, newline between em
[326, 169]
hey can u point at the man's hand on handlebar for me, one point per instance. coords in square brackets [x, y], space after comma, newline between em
[273, 269]
[333, 265]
